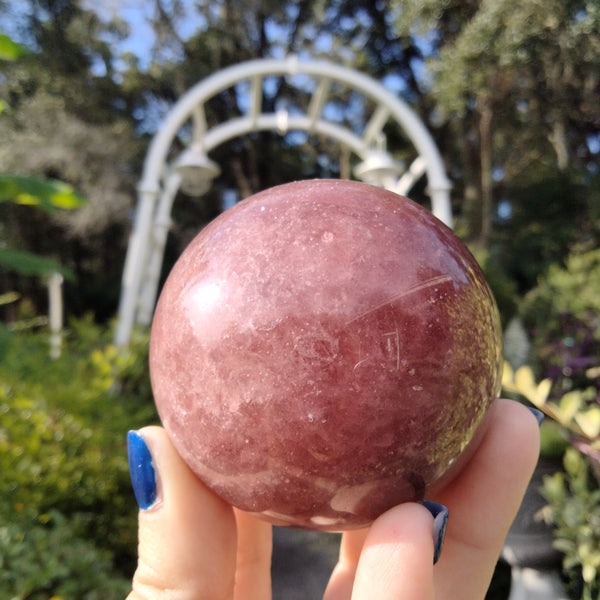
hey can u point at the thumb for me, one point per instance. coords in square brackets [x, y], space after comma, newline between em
[396, 558]
[187, 535]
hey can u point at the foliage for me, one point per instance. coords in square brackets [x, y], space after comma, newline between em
[52, 555]
[27, 263]
[9, 49]
[550, 213]
[508, 91]
[64, 476]
[503, 287]
[515, 85]
[63, 122]
[570, 289]
[574, 510]
[562, 314]
[50, 196]
[573, 496]
[493, 82]
[577, 410]
[47, 194]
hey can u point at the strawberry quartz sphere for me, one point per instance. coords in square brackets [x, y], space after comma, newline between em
[323, 351]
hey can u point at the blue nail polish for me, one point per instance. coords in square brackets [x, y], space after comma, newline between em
[440, 522]
[538, 414]
[141, 470]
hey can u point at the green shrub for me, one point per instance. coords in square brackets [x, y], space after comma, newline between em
[52, 556]
[562, 315]
[573, 495]
[503, 288]
[573, 288]
[63, 463]
[574, 510]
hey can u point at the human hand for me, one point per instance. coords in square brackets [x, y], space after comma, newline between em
[193, 546]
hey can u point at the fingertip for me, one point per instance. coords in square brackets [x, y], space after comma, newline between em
[397, 556]
[400, 522]
[517, 428]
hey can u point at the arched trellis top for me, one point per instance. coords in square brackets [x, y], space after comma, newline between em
[159, 183]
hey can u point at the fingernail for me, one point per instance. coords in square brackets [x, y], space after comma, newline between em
[538, 414]
[440, 522]
[141, 470]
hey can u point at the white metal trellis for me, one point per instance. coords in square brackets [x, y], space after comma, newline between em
[160, 182]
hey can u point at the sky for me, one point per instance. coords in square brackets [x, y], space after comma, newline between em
[137, 14]
[141, 39]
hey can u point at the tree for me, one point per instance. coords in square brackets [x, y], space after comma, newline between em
[65, 119]
[515, 81]
[506, 90]
[49, 195]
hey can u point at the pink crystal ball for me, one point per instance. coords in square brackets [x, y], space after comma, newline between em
[323, 351]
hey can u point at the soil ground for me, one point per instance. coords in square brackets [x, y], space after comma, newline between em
[302, 563]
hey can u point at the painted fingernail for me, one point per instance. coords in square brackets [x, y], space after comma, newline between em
[440, 522]
[141, 470]
[538, 414]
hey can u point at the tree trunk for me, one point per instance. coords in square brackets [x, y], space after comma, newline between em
[485, 140]
[558, 139]
[471, 166]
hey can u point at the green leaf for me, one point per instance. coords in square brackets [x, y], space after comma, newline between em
[9, 297]
[50, 195]
[573, 462]
[589, 421]
[570, 404]
[566, 546]
[27, 263]
[10, 50]
[525, 384]
[589, 573]
[508, 376]
[553, 488]
[543, 391]
[525, 381]
[552, 440]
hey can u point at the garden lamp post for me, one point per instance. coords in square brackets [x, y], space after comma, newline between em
[379, 168]
[196, 170]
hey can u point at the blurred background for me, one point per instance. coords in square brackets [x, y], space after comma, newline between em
[510, 93]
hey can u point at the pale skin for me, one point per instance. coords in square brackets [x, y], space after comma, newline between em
[193, 546]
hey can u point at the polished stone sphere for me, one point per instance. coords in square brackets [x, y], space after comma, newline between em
[323, 351]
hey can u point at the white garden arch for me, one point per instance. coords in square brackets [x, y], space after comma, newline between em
[193, 170]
